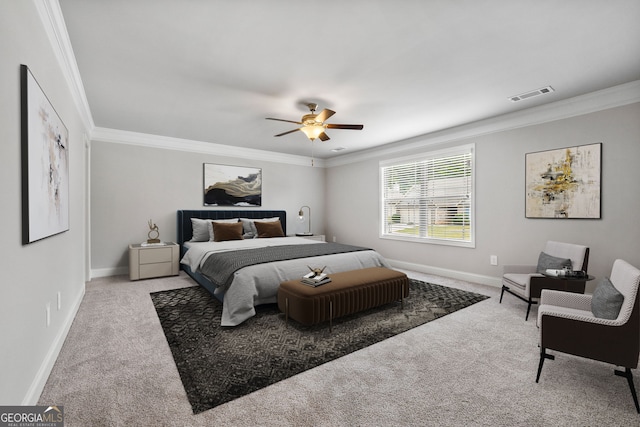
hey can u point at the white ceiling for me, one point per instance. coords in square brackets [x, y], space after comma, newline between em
[213, 71]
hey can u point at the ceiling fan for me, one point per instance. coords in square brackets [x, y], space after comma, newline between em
[313, 125]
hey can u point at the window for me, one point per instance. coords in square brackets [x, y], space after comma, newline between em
[429, 197]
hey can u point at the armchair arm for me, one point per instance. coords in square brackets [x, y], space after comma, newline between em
[519, 269]
[572, 306]
[566, 299]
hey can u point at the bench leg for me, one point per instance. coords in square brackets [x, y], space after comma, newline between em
[286, 311]
[330, 316]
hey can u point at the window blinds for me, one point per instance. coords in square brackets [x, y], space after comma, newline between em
[429, 196]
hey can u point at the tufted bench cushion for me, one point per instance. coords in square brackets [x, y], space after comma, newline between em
[348, 292]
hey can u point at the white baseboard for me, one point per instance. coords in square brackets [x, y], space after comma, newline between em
[454, 274]
[111, 271]
[35, 390]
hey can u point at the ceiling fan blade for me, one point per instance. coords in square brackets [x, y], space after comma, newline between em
[324, 115]
[352, 127]
[286, 133]
[324, 137]
[283, 120]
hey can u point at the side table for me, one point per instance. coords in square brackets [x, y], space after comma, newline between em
[318, 237]
[155, 260]
[560, 283]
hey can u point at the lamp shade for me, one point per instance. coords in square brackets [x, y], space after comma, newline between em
[312, 131]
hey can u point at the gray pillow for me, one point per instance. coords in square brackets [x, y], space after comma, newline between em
[200, 229]
[606, 301]
[546, 261]
[247, 230]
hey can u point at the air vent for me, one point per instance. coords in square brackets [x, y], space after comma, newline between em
[531, 94]
[335, 150]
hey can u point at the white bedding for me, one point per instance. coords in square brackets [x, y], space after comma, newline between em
[258, 284]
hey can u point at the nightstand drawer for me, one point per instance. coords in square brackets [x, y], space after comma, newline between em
[151, 256]
[155, 270]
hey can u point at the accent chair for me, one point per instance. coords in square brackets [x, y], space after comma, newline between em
[604, 326]
[527, 281]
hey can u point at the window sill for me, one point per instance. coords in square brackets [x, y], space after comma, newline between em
[429, 241]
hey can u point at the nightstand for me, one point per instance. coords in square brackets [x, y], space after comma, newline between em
[318, 237]
[147, 261]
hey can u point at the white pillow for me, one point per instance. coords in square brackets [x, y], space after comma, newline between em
[210, 226]
[249, 228]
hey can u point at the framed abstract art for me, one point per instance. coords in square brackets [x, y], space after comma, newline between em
[45, 164]
[564, 183]
[232, 185]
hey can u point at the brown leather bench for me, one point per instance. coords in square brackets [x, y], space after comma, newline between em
[348, 292]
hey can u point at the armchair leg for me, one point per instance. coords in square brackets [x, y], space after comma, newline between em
[629, 376]
[526, 318]
[543, 355]
[529, 301]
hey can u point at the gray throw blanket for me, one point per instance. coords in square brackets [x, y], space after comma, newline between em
[219, 267]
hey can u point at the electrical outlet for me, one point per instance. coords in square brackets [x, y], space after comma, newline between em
[48, 313]
[59, 300]
[493, 259]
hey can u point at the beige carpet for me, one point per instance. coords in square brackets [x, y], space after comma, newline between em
[476, 366]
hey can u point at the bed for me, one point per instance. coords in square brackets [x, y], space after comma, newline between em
[256, 282]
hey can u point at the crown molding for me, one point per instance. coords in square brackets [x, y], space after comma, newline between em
[604, 99]
[616, 96]
[169, 143]
[56, 29]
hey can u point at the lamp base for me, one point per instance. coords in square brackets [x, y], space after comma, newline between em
[304, 234]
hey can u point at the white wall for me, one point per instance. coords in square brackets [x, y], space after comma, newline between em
[501, 228]
[131, 184]
[32, 275]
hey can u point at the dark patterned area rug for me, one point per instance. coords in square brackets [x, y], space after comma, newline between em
[218, 364]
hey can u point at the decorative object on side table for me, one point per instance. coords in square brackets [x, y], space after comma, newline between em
[153, 228]
[301, 220]
[45, 164]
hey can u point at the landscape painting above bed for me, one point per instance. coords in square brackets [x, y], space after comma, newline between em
[232, 185]
[262, 262]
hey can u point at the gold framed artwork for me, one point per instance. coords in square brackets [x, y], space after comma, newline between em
[564, 183]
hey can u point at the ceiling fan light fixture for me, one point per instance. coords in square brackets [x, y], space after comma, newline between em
[312, 131]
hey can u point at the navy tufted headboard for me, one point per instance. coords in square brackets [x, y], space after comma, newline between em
[184, 232]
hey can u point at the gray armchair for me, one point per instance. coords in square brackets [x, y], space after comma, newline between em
[567, 323]
[526, 282]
